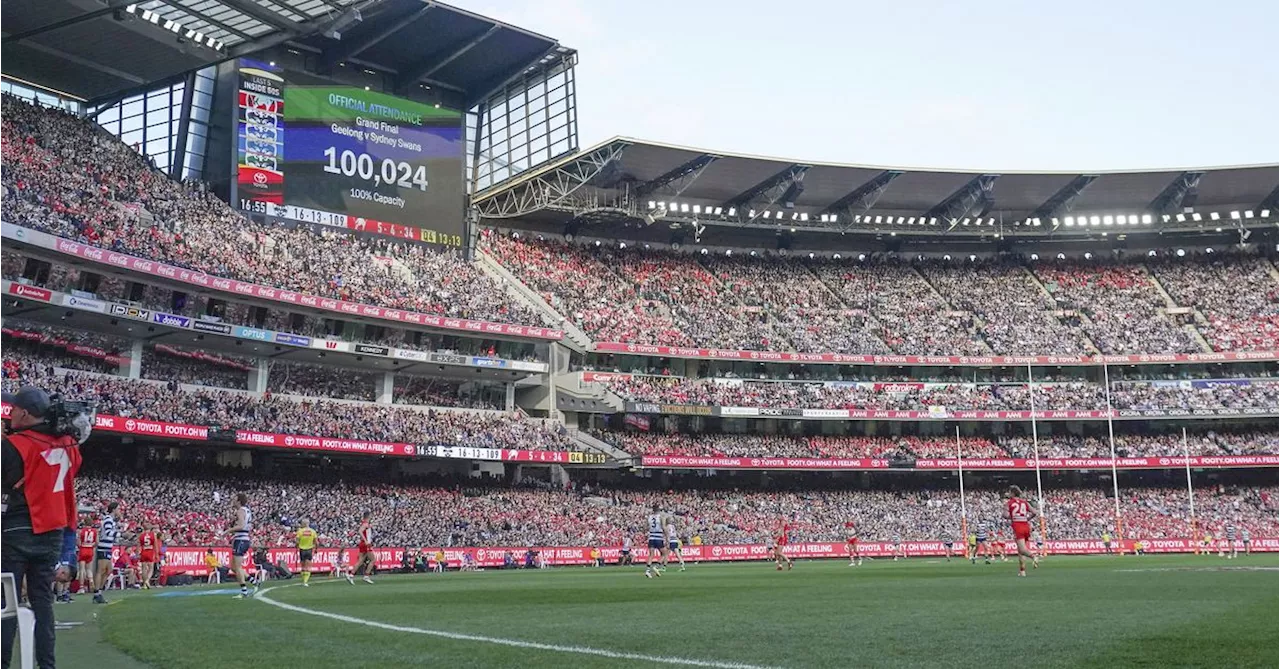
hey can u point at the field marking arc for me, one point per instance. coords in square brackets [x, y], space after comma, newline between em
[515, 643]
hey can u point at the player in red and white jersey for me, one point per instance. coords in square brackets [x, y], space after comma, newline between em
[1020, 516]
[364, 546]
[148, 546]
[851, 546]
[86, 542]
[779, 542]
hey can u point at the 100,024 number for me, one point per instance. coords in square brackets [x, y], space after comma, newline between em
[352, 164]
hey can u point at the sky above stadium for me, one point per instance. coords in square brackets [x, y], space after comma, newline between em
[998, 85]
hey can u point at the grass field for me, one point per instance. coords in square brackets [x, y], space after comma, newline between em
[1152, 611]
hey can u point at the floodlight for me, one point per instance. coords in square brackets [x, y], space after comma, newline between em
[1196, 217]
[1248, 213]
[1069, 221]
[719, 209]
[1209, 250]
[900, 220]
[1218, 229]
[933, 221]
[1266, 213]
[1181, 253]
[1055, 222]
[1235, 215]
[684, 208]
[1035, 222]
[811, 255]
[911, 220]
[965, 222]
[1213, 216]
[1181, 218]
[1061, 257]
[1088, 256]
[622, 245]
[793, 229]
[836, 256]
[879, 218]
[1035, 256]
[653, 205]
[1094, 220]
[945, 257]
[697, 209]
[1107, 220]
[728, 252]
[704, 252]
[1151, 253]
[862, 257]
[732, 211]
[972, 258]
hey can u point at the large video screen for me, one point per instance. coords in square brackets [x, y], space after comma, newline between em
[347, 157]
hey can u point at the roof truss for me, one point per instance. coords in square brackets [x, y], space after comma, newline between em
[678, 178]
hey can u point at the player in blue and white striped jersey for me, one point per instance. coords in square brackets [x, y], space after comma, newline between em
[108, 535]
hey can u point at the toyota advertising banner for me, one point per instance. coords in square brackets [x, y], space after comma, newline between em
[1009, 464]
[190, 560]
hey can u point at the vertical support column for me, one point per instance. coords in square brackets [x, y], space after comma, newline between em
[510, 403]
[132, 368]
[258, 375]
[386, 387]
[556, 352]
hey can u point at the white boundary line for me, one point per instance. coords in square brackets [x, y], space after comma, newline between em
[580, 650]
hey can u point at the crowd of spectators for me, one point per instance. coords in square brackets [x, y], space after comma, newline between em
[1124, 308]
[285, 415]
[298, 378]
[67, 176]
[193, 367]
[193, 508]
[445, 393]
[637, 443]
[58, 346]
[1236, 294]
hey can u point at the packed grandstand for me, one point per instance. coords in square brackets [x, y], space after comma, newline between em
[66, 177]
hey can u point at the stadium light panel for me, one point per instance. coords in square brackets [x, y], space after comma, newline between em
[622, 245]
[732, 211]
[1209, 250]
[1094, 220]
[1217, 229]
[155, 18]
[1088, 256]
[146, 15]
[991, 221]
[862, 257]
[1062, 256]
[911, 220]
[728, 252]
[1133, 219]
[1147, 219]
[1035, 222]
[719, 210]
[1196, 217]
[199, 37]
[793, 229]
[794, 216]
[1248, 213]
[965, 222]
[901, 220]
[1235, 215]
[1108, 219]
[1213, 216]
[752, 213]
[1054, 221]
[597, 242]
[132, 9]
[653, 205]
[753, 254]
[1069, 221]
[836, 256]
[684, 208]
[879, 219]
[893, 234]
[1181, 218]
[973, 258]
[704, 252]
[1035, 256]
[933, 221]
[697, 209]
[944, 257]
[1181, 253]
[175, 27]
[1151, 253]
[811, 255]
[1266, 213]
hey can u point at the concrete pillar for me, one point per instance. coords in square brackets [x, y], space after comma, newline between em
[258, 375]
[559, 476]
[510, 402]
[386, 387]
[133, 367]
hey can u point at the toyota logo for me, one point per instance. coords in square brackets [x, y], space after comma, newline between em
[288, 440]
[479, 553]
[1164, 461]
[129, 425]
[755, 462]
[408, 449]
[715, 550]
[259, 178]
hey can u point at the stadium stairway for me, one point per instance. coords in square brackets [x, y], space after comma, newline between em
[1170, 303]
[979, 325]
[1168, 299]
[574, 337]
[571, 384]
[593, 444]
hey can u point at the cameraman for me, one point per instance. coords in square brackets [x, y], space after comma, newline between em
[40, 460]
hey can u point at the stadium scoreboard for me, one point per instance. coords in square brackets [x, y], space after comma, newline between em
[347, 157]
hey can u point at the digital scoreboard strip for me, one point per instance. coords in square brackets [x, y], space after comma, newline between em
[349, 158]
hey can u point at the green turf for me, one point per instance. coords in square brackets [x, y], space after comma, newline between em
[1188, 611]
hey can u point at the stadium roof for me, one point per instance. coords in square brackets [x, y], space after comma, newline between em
[96, 49]
[628, 174]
